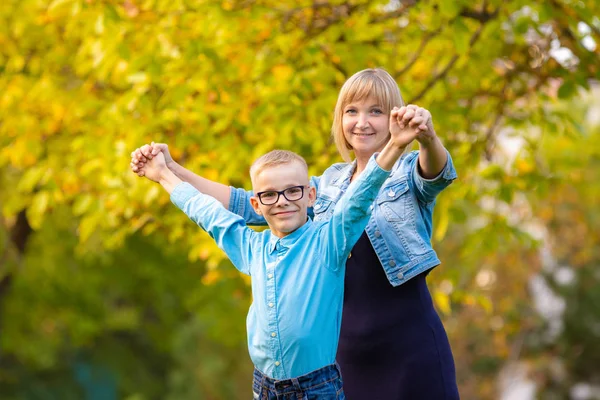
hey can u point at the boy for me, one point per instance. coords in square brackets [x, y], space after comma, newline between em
[297, 266]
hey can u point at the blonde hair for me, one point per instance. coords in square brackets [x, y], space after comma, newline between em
[273, 159]
[372, 82]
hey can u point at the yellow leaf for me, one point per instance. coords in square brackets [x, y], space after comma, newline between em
[442, 301]
[36, 211]
[282, 73]
[442, 223]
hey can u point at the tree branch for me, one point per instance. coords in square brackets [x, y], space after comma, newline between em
[447, 68]
[416, 55]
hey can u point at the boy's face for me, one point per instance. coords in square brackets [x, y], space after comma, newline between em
[284, 216]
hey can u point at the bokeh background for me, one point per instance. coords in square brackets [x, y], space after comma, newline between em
[108, 292]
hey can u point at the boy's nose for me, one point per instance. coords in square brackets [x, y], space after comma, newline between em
[282, 201]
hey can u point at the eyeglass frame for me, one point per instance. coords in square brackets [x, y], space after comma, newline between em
[280, 193]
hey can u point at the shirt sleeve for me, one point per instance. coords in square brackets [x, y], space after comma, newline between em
[351, 214]
[227, 229]
[239, 203]
[427, 189]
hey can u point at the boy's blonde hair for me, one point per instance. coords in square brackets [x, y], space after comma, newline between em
[372, 82]
[273, 159]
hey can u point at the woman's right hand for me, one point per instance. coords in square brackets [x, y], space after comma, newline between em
[141, 155]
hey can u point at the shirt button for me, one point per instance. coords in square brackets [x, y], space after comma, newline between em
[271, 305]
[392, 263]
[391, 193]
[273, 334]
[400, 275]
[371, 207]
[349, 255]
[377, 233]
[277, 363]
[270, 276]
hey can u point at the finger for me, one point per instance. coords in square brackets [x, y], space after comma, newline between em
[161, 147]
[408, 115]
[416, 121]
[147, 151]
[133, 167]
[400, 115]
[138, 153]
[401, 111]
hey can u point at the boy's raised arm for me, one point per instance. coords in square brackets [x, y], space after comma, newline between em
[147, 152]
[227, 229]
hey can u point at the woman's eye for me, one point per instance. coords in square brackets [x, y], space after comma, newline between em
[377, 111]
[350, 111]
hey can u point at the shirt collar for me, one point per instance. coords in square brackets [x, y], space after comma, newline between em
[290, 239]
[345, 174]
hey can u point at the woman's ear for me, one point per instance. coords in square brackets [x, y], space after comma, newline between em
[312, 196]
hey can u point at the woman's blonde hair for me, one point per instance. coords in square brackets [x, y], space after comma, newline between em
[372, 82]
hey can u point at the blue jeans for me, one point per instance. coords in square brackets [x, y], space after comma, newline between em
[322, 384]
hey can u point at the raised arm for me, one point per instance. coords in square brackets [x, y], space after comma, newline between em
[433, 156]
[227, 229]
[147, 152]
[236, 200]
[432, 170]
[352, 212]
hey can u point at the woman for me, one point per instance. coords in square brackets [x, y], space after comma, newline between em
[392, 343]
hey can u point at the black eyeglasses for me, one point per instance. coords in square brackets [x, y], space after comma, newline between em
[270, 197]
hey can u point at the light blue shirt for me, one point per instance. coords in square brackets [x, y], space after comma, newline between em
[297, 281]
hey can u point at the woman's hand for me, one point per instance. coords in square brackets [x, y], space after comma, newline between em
[409, 123]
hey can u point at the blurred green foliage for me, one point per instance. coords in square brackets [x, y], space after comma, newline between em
[104, 285]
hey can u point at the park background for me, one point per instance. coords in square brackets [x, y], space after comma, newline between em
[107, 291]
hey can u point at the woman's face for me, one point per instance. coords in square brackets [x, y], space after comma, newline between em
[366, 126]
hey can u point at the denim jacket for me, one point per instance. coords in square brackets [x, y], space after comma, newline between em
[400, 226]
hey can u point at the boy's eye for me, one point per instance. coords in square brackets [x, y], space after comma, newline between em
[294, 190]
[268, 195]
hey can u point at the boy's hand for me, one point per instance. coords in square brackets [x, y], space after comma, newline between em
[155, 168]
[141, 155]
[410, 123]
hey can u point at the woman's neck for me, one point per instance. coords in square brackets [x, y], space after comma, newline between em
[361, 164]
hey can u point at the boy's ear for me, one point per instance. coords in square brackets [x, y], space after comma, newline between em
[254, 202]
[312, 196]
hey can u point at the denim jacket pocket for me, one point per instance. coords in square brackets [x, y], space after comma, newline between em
[393, 201]
[322, 209]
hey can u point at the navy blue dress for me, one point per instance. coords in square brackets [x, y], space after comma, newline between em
[392, 343]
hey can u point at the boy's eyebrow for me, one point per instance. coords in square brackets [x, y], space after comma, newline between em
[269, 188]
